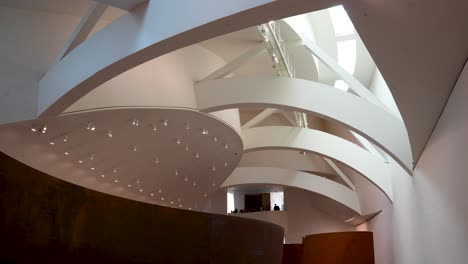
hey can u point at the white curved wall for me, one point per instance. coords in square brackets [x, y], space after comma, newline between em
[166, 81]
[369, 120]
[297, 179]
[375, 170]
[306, 217]
[427, 222]
[287, 159]
[230, 116]
[149, 31]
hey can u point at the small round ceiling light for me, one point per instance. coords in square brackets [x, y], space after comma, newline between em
[91, 126]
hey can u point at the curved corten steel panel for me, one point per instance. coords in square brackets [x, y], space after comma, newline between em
[46, 220]
[338, 248]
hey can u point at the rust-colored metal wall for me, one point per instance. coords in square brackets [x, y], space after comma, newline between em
[46, 220]
[292, 253]
[338, 248]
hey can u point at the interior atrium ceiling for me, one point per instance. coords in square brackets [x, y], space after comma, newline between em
[166, 70]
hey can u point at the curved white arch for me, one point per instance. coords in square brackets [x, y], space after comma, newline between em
[166, 81]
[369, 120]
[274, 137]
[285, 159]
[297, 179]
[149, 31]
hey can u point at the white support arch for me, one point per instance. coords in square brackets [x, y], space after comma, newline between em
[147, 32]
[367, 119]
[339, 172]
[287, 159]
[297, 179]
[321, 143]
[330, 162]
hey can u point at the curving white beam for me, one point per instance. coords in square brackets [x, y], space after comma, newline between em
[294, 160]
[297, 179]
[339, 172]
[332, 164]
[321, 143]
[363, 117]
[291, 160]
[147, 32]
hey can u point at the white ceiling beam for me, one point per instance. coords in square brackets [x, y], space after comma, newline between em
[340, 173]
[335, 168]
[379, 126]
[324, 144]
[236, 63]
[84, 28]
[259, 118]
[296, 179]
[354, 84]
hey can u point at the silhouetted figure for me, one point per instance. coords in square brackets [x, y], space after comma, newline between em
[276, 207]
[235, 211]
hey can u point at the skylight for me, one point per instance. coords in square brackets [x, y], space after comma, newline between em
[347, 54]
[341, 22]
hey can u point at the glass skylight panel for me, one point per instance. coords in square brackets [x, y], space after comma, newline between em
[340, 84]
[341, 22]
[347, 54]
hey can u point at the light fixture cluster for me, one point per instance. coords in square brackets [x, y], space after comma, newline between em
[349, 220]
[91, 127]
[39, 129]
